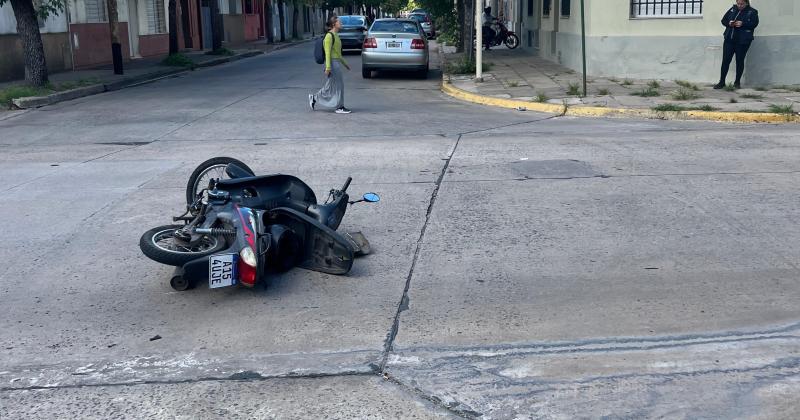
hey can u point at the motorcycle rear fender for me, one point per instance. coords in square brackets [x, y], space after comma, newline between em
[323, 249]
[269, 191]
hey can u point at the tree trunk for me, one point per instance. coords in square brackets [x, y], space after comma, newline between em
[268, 17]
[32, 46]
[295, 22]
[173, 28]
[282, 19]
[461, 26]
[469, 28]
[216, 26]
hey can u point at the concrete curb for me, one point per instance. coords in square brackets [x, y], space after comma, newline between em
[589, 111]
[39, 101]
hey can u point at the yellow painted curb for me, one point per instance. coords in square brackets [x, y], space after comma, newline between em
[501, 102]
[593, 111]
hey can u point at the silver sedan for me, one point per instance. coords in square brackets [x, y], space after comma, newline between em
[395, 44]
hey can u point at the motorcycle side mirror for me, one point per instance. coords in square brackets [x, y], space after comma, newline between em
[369, 198]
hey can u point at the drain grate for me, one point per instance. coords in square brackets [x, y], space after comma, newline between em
[559, 168]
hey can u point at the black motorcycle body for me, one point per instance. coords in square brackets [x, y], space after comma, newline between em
[241, 229]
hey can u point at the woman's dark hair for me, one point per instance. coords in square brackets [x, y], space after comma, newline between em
[331, 22]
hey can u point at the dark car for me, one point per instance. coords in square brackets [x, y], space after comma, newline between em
[353, 32]
[425, 20]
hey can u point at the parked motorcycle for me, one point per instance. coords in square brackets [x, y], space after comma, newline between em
[503, 36]
[239, 228]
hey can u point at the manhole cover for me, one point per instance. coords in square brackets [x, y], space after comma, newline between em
[559, 168]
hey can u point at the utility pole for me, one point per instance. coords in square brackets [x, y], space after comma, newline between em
[116, 46]
[583, 46]
[478, 42]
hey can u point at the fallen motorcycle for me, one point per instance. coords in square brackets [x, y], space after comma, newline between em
[238, 228]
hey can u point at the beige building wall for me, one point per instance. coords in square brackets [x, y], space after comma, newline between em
[685, 47]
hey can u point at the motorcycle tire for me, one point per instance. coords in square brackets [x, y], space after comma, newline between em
[158, 245]
[511, 41]
[200, 177]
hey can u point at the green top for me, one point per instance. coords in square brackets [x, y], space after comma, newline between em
[333, 49]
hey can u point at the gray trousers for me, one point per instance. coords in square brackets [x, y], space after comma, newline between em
[332, 93]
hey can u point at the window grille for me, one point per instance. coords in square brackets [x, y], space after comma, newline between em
[156, 21]
[565, 8]
[96, 11]
[546, 7]
[651, 8]
[530, 7]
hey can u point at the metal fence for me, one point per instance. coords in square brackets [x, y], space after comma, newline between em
[647, 8]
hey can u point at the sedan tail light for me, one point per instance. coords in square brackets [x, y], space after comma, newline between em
[417, 44]
[370, 43]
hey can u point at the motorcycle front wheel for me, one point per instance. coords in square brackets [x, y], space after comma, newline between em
[159, 244]
[212, 168]
[511, 41]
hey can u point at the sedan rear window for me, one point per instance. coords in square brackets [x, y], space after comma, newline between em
[352, 20]
[395, 26]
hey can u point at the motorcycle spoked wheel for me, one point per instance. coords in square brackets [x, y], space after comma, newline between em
[212, 168]
[511, 41]
[159, 245]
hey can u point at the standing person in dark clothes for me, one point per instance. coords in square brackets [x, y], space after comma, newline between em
[332, 93]
[740, 23]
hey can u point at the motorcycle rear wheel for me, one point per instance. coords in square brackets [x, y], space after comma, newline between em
[511, 41]
[160, 245]
[212, 168]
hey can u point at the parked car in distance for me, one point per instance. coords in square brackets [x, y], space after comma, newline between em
[395, 44]
[353, 32]
[425, 20]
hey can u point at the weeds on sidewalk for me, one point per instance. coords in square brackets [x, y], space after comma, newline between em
[781, 109]
[687, 85]
[14, 92]
[513, 84]
[680, 108]
[627, 82]
[646, 93]
[730, 87]
[653, 84]
[733, 101]
[684, 94]
[465, 66]
[602, 92]
[751, 96]
[540, 97]
[573, 89]
[179, 60]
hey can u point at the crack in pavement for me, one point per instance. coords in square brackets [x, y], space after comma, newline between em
[404, 301]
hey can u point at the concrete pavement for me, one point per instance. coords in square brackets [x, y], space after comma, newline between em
[518, 79]
[525, 265]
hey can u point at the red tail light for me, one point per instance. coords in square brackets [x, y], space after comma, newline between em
[417, 44]
[247, 267]
[370, 43]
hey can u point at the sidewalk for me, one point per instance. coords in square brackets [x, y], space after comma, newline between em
[78, 83]
[518, 79]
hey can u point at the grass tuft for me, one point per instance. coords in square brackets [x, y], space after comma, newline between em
[627, 82]
[602, 92]
[573, 89]
[733, 101]
[221, 51]
[687, 85]
[513, 84]
[540, 97]
[751, 96]
[647, 93]
[21, 91]
[653, 84]
[781, 109]
[684, 94]
[178, 60]
[465, 66]
[730, 87]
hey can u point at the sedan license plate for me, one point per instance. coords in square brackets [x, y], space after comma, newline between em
[222, 270]
[394, 45]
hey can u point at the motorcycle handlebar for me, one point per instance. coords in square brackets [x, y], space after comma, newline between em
[346, 184]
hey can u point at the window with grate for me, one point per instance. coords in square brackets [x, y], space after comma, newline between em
[565, 8]
[546, 7]
[666, 8]
[530, 7]
[248, 7]
[95, 11]
[156, 21]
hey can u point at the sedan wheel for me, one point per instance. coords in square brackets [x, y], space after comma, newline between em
[366, 73]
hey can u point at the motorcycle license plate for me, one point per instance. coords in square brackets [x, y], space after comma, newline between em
[222, 270]
[394, 45]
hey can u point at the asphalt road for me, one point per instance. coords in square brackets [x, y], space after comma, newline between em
[525, 265]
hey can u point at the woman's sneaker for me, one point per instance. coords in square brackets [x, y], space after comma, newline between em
[311, 101]
[342, 110]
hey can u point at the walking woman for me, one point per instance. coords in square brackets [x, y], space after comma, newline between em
[740, 23]
[332, 93]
